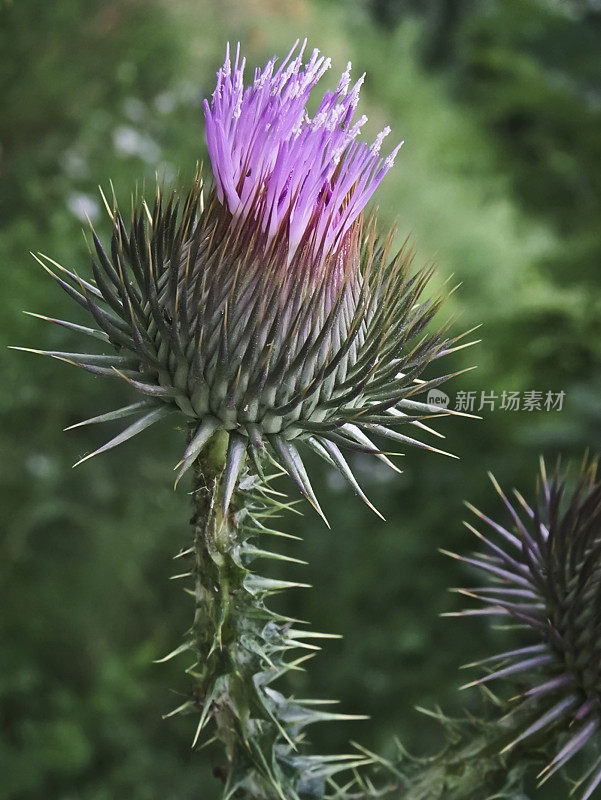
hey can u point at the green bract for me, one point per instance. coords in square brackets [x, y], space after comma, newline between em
[205, 317]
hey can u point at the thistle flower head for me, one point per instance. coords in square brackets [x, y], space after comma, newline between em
[303, 179]
[546, 574]
[269, 308]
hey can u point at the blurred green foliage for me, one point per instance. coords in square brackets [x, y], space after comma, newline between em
[499, 182]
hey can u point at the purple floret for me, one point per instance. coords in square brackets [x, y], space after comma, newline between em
[308, 177]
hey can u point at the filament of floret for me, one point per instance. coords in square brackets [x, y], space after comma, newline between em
[281, 169]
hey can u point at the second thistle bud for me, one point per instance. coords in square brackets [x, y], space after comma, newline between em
[545, 571]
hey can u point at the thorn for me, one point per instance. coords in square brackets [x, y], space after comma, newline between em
[181, 649]
[450, 554]
[183, 553]
[106, 205]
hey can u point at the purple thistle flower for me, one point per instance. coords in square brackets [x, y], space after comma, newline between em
[306, 179]
[546, 575]
[268, 309]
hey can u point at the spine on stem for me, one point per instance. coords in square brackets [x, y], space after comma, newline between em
[240, 647]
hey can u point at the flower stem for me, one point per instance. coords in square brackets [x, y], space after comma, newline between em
[216, 581]
[240, 646]
[473, 765]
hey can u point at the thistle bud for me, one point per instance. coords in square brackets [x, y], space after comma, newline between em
[546, 573]
[268, 309]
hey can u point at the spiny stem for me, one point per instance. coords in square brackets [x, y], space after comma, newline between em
[213, 593]
[240, 647]
[472, 766]
[470, 769]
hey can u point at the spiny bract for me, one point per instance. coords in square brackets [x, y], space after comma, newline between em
[547, 576]
[271, 310]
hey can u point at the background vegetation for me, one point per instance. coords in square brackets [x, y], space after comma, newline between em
[499, 103]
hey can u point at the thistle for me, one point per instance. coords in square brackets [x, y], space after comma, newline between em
[266, 314]
[546, 573]
[269, 309]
